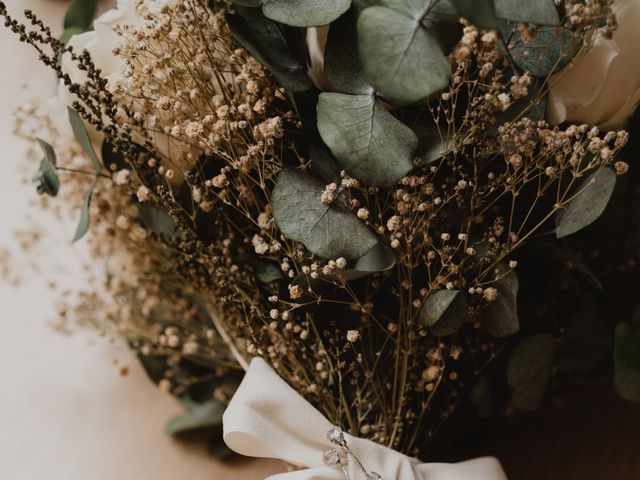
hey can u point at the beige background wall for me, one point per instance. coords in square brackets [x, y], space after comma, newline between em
[65, 412]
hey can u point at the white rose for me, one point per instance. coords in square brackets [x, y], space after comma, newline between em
[100, 44]
[602, 86]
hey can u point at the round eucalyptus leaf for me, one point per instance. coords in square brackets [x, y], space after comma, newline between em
[341, 58]
[305, 13]
[529, 371]
[595, 192]
[550, 51]
[401, 58]
[46, 178]
[370, 143]
[326, 230]
[264, 39]
[501, 315]
[379, 259]
[626, 356]
[445, 311]
[540, 12]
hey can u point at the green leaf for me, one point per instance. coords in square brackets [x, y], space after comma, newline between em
[46, 178]
[326, 230]
[70, 32]
[266, 272]
[264, 40]
[305, 13]
[626, 356]
[370, 143]
[529, 371]
[82, 137]
[300, 13]
[596, 190]
[540, 12]
[481, 13]
[205, 415]
[501, 315]
[157, 220]
[83, 224]
[380, 258]
[445, 311]
[341, 58]
[552, 49]
[401, 58]
[80, 14]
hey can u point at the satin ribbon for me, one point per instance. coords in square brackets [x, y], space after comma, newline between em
[268, 419]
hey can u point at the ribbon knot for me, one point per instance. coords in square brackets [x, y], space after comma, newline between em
[268, 419]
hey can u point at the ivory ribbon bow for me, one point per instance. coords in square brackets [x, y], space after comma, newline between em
[268, 419]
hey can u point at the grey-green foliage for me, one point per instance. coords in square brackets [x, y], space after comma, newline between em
[370, 143]
[445, 311]
[529, 371]
[550, 51]
[379, 259]
[263, 38]
[501, 315]
[78, 18]
[329, 231]
[198, 415]
[400, 53]
[300, 13]
[591, 198]
[46, 178]
[626, 358]
[82, 137]
[266, 271]
[540, 12]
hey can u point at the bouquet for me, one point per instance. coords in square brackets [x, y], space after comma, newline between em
[386, 200]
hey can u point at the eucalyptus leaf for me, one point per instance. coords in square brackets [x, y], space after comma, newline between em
[83, 224]
[370, 143]
[529, 371]
[70, 32]
[323, 165]
[501, 315]
[596, 190]
[402, 58]
[626, 356]
[82, 137]
[540, 12]
[46, 178]
[326, 230]
[300, 13]
[341, 58]
[157, 220]
[550, 51]
[445, 311]
[266, 272]
[380, 258]
[205, 415]
[264, 39]
[80, 14]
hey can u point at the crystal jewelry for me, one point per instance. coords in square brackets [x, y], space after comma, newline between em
[339, 455]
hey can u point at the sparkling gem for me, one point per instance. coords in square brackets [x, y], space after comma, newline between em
[335, 436]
